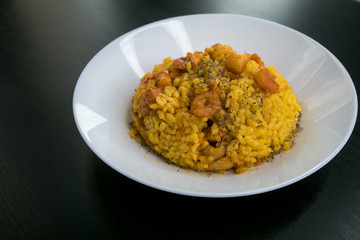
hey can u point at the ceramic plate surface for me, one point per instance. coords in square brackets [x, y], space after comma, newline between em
[102, 101]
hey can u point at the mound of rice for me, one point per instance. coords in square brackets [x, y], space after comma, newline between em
[215, 110]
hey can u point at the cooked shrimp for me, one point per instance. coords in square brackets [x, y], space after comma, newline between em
[219, 51]
[221, 164]
[257, 59]
[216, 152]
[162, 79]
[148, 98]
[194, 58]
[236, 62]
[206, 104]
[266, 80]
[180, 63]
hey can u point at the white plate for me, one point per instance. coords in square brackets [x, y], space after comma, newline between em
[102, 101]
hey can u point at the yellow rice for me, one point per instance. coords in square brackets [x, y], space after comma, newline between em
[249, 127]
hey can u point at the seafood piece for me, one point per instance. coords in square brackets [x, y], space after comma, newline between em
[148, 98]
[162, 79]
[206, 104]
[257, 59]
[216, 152]
[221, 164]
[236, 62]
[180, 63]
[219, 51]
[266, 80]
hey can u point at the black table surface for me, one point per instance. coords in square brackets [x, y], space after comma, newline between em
[52, 186]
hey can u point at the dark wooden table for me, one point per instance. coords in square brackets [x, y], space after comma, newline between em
[52, 186]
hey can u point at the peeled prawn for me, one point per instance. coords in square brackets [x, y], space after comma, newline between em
[257, 59]
[266, 80]
[180, 63]
[216, 152]
[148, 98]
[236, 62]
[219, 51]
[221, 164]
[206, 104]
[162, 79]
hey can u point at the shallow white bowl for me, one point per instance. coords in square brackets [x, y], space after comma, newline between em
[102, 101]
